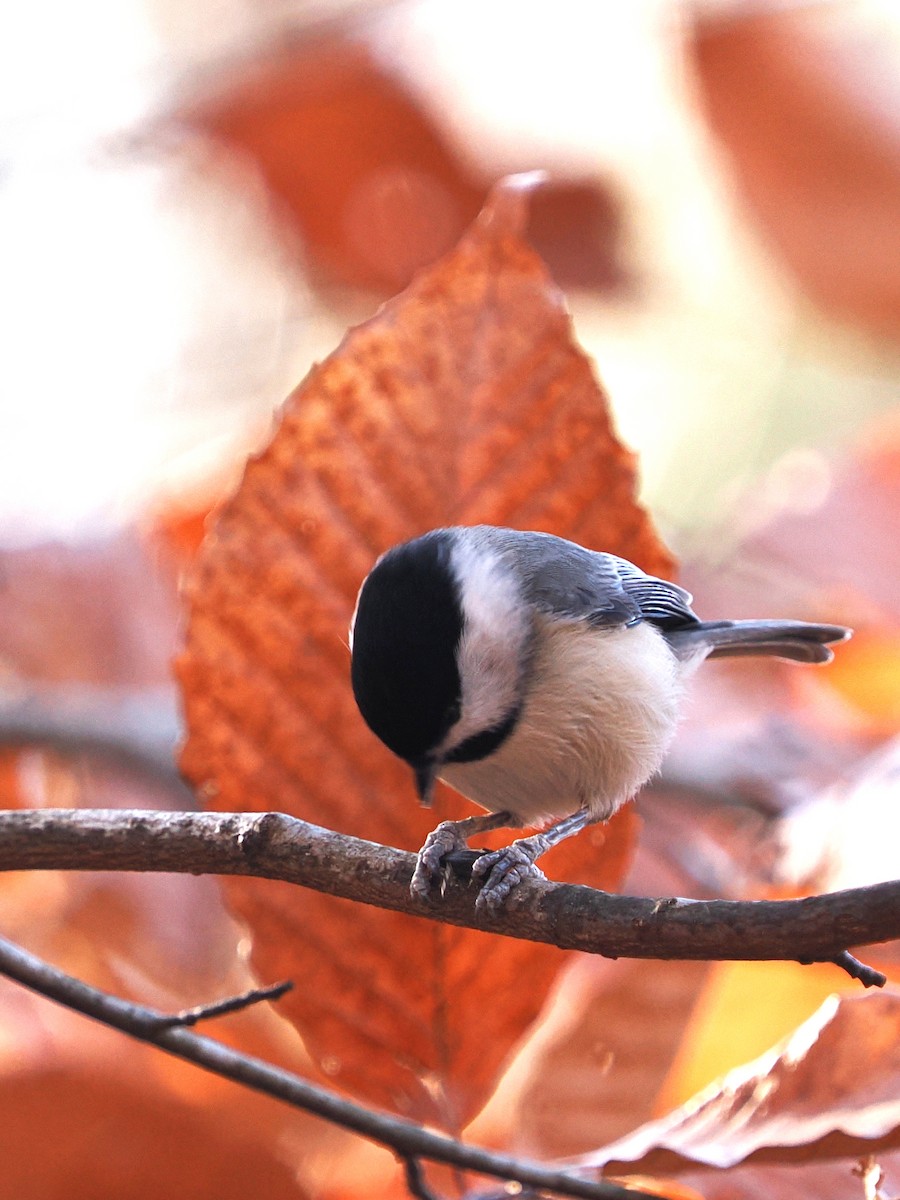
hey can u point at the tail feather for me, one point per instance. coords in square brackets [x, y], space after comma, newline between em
[801, 641]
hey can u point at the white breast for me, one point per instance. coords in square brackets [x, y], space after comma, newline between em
[601, 709]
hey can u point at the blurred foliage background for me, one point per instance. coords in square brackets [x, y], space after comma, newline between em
[196, 199]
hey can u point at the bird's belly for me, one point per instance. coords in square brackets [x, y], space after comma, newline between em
[600, 712]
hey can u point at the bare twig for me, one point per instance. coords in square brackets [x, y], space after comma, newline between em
[221, 1008]
[274, 846]
[866, 975]
[415, 1180]
[410, 1142]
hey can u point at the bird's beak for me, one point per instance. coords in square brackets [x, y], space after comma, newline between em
[425, 773]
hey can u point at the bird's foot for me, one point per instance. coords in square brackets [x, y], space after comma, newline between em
[431, 873]
[503, 870]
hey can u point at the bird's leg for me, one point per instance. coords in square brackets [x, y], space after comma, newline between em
[503, 869]
[445, 839]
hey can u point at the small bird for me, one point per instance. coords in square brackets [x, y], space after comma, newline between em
[540, 679]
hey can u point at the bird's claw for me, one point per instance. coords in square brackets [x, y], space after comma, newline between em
[431, 873]
[502, 871]
[498, 871]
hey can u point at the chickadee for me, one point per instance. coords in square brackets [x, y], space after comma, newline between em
[539, 679]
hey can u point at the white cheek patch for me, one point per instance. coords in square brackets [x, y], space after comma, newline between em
[491, 651]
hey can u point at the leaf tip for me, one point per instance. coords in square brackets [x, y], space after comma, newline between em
[506, 208]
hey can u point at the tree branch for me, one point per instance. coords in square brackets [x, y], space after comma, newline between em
[275, 846]
[409, 1141]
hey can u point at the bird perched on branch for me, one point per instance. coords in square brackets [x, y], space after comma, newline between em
[540, 679]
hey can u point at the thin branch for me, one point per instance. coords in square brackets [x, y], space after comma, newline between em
[415, 1180]
[221, 1008]
[78, 715]
[866, 975]
[274, 846]
[134, 730]
[407, 1140]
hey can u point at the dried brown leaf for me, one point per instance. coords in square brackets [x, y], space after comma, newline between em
[835, 1179]
[465, 399]
[830, 1090]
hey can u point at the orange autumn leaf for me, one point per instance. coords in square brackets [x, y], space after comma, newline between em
[465, 399]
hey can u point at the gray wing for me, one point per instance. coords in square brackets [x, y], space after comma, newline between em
[564, 578]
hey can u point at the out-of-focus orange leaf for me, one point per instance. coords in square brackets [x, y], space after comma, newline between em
[181, 530]
[832, 528]
[866, 676]
[87, 631]
[741, 1010]
[619, 1041]
[830, 1090]
[94, 612]
[370, 180]
[85, 1112]
[666, 1189]
[595, 1065]
[169, 947]
[576, 226]
[859, 561]
[842, 838]
[162, 940]
[10, 788]
[463, 400]
[818, 539]
[375, 189]
[127, 1141]
[87, 634]
[808, 110]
